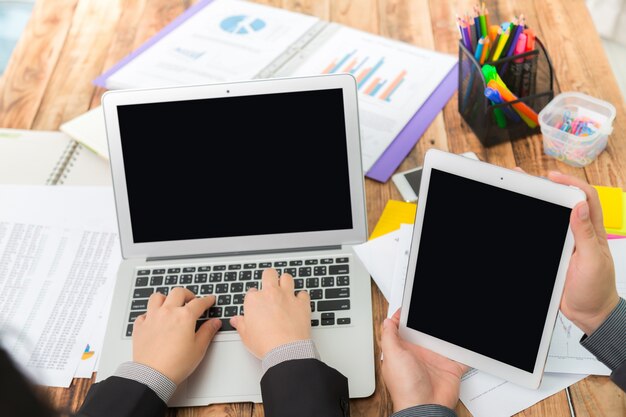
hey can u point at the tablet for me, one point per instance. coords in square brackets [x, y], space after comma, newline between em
[488, 259]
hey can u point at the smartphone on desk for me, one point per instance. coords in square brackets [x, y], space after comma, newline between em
[408, 182]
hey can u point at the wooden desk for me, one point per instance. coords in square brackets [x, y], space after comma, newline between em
[67, 43]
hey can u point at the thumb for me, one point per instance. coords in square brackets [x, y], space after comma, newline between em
[585, 236]
[237, 323]
[390, 338]
[207, 332]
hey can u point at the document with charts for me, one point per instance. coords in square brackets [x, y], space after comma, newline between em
[229, 40]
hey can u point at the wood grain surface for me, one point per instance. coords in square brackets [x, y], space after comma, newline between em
[68, 43]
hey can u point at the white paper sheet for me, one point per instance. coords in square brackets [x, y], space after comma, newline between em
[566, 354]
[400, 268]
[225, 41]
[54, 275]
[90, 357]
[487, 396]
[89, 129]
[379, 258]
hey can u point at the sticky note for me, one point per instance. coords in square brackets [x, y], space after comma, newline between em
[394, 214]
[611, 199]
[622, 230]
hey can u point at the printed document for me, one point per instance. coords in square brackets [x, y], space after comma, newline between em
[57, 269]
[233, 40]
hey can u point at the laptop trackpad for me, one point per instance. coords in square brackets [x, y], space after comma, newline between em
[227, 370]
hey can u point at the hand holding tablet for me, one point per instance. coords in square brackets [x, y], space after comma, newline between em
[489, 296]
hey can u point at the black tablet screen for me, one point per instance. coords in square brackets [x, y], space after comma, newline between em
[486, 267]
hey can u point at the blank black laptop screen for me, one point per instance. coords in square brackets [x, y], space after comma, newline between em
[236, 166]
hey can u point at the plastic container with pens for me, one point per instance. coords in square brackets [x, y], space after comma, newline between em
[576, 127]
[528, 76]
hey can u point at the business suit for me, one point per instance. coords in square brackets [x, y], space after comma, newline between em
[303, 387]
[121, 397]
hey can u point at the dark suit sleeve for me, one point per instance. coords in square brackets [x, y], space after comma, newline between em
[608, 343]
[618, 376]
[121, 397]
[305, 387]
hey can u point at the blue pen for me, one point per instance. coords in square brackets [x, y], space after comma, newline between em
[494, 96]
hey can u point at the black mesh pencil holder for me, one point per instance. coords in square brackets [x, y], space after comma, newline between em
[528, 75]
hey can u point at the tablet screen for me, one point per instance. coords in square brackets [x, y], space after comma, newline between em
[486, 268]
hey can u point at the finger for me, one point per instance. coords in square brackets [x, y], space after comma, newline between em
[200, 305]
[585, 237]
[396, 317]
[464, 368]
[286, 282]
[519, 169]
[155, 301]
[178, 297]
[207, 332]
[269, 279]
[595, 209]
[303, 295]
[238, 323]
[390, 339]
[140, 319]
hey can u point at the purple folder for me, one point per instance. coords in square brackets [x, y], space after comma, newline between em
[394, 154]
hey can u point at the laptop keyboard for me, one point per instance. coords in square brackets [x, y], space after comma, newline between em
[327, 279]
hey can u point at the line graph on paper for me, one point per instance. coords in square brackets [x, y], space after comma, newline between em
[567, 355]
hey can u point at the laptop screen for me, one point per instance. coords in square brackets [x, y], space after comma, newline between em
[236, 166]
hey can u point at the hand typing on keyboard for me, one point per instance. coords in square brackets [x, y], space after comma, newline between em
[273, 315]
[165, 337]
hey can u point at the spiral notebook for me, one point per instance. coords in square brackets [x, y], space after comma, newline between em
[48, 157]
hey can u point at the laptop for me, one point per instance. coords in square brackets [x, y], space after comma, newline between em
[215, 183]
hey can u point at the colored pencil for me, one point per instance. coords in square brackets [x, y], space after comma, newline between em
[483, 25]
[479, 49]
[494, 45]
[504, 37]
[485, 53]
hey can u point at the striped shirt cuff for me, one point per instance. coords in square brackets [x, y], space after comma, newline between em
[153, 379]
[301, 349]
[426, 410]
[607, 342]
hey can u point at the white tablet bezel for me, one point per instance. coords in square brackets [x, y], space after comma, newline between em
[519, 182]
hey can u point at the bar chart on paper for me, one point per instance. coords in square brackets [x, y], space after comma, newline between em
[367, 71]
[393, 79]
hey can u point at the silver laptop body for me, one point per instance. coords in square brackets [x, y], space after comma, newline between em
[222, 180]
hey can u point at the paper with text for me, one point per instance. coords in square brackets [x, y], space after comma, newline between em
[236, 40]
[57, 269]
[224, 41]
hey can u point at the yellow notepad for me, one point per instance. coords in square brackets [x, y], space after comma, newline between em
[622, 230]
[612, 206]
[394, 214]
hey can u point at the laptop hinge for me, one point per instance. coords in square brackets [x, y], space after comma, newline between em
[258, 252]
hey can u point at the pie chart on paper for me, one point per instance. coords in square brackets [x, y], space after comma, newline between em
[242, 25]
